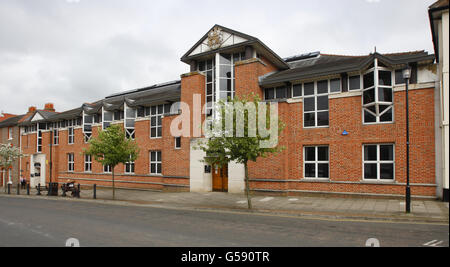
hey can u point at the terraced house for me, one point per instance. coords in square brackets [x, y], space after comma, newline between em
[345, 118]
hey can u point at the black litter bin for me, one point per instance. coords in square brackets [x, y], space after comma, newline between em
[53, 189]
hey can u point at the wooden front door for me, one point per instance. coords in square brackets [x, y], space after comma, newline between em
[220, 179]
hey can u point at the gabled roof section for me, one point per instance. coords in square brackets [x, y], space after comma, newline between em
[66, 115]
[325, 64]
[229, 39]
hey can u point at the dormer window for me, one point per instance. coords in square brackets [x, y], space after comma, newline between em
[378, 102]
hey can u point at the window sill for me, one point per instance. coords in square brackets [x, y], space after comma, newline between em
[378, 123]
[374, 181]
[315, 180]
[316, 127]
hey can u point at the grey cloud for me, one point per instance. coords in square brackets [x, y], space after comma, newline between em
[71, 53]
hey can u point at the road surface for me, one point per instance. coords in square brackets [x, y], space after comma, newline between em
[40, 222]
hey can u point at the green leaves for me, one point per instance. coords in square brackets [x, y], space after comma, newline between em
[111, 147]
[242, 141]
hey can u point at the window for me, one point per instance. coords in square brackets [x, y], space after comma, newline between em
[378, 103]
[87, 163]
[276, 93]
[130, 120]
[315, 104]
[354, 82]
[177, 142]
[399, 77]
[155, 162]
[156, 121]
[316, 162]
[379, 162]
[41, 127]
[129, 167]
[118, 115]
[297, 90]
[107, 169]
[55, 137]
[10, 133]
[335, 86]
[107, 119]
[208, 68]
[71, 137]
[70, 162]
[88, 120]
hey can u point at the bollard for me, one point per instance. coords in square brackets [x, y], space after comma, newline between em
[28, 189]
[95, 191]
[18, 189]
[63, 188]
[78, 193]
[39, 190]
[9, 189]
[49, 191]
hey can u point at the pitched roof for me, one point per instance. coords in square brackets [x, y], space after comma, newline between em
[13, 121]
[251, 41]
[325, 64]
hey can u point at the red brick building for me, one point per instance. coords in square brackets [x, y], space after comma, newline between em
[345, 118]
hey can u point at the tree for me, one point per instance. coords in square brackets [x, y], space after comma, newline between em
[240, 134]
[111, 148]
[8, 154]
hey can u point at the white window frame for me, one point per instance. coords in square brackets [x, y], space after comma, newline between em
[375, 70]
[292, 91]
[378, 162]
[70, 135]
[70, 162]
[55, 137]
[316, 162]
[87, 163]
[107, 169]
[316, 96]
[360, 83]
[156, 162]
[157, 125]
[130, 163]
[10, 133]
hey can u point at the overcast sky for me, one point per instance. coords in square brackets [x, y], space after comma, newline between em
[69, 52]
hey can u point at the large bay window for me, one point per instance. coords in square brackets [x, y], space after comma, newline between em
[378, 102]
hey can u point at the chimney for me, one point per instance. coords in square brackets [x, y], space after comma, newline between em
[49, 107]
[32, 109]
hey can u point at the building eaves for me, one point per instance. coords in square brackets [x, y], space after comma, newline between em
[330, 64]
[9, 122]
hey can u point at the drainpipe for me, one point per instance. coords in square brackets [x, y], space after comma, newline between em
[51, 159]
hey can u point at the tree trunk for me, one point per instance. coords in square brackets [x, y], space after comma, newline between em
[247, 187]
[113, 188]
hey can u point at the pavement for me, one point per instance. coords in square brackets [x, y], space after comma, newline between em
[369, 209]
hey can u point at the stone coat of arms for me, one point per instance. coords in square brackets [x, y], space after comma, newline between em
[215, 38]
